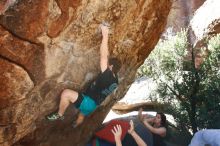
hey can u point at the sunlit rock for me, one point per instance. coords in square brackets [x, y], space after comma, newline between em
[206, 20]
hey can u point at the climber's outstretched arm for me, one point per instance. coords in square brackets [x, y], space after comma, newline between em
[104, 48]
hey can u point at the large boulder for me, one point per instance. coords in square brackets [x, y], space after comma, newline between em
[206, 21]
[49, 45]
[181, 13]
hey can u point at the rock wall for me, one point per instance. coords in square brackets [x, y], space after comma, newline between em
[49, 45]
[205, 24]
[206, 21]
[182, 12]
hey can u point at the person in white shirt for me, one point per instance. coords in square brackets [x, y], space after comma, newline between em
[209, 137]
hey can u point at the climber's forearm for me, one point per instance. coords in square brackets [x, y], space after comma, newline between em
[138, 139]
[104, 49]
[118, 142]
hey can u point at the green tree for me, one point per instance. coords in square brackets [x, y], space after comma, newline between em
[188, 79]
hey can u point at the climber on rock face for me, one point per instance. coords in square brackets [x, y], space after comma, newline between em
[104, 84]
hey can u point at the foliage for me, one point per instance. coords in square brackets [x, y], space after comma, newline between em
[192, 92]
[209, 95]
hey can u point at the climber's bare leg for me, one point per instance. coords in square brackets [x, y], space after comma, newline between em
[68, 96]
[79, 120]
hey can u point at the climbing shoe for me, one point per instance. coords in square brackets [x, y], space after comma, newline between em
[54, 117]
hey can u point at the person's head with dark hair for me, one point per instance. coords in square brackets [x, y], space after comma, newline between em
[115, 63]
[160, 119]
[163, 119]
